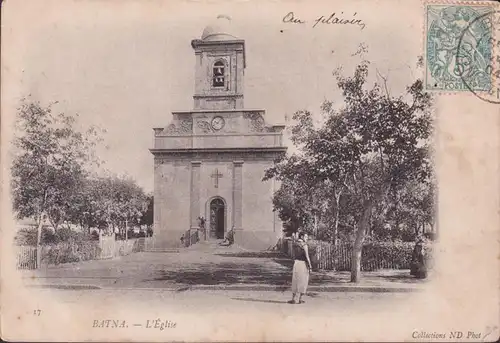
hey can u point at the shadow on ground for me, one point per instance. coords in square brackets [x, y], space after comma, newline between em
[262, 300]
[226, 273]
[253, 254]
[230, 273]
[404, 278]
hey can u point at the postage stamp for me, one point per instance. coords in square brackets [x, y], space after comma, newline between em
[459, 48]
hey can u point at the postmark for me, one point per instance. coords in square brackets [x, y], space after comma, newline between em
[464, 55]
[449, 68]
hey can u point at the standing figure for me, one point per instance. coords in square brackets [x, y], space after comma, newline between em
[301, 269]
[202, 226]
[418, 266]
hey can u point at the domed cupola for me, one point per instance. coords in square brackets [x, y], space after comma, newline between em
[219, 30]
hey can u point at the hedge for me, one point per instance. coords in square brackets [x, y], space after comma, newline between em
[68, 252]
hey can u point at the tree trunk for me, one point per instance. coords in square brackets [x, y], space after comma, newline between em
[357, 248]
[336, 224]
[363, 224]
[39, 240]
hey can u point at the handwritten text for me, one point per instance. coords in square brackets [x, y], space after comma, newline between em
[334, 18]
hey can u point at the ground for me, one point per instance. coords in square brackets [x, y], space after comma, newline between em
[207, 266]
[199, 299]
[203, 315]
[212, 293]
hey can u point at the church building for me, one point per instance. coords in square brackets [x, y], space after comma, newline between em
[209, 161]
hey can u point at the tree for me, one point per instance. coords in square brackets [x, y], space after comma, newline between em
[147, 217]
[116, 201]
[51, 159]
[406, 213]
[306, 203]
[373, 143]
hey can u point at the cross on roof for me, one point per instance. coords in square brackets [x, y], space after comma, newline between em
[216, 175]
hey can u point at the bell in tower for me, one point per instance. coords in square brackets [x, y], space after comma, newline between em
[220, 64]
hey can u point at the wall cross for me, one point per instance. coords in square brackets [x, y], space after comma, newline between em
[216, 175]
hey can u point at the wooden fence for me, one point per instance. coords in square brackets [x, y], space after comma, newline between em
[26, 257]
[107, 245]
[106, 248]
[325, 256]
[111, 248]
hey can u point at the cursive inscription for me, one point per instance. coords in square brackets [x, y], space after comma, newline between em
[290, 18]
[332, 19]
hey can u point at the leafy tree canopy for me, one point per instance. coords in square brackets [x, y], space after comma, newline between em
[371, 144]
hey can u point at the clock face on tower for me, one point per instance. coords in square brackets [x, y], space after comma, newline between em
[217, 123]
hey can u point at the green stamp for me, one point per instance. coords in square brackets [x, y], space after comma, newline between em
[458, 48]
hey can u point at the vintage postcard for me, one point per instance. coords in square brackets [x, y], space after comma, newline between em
[264, 171]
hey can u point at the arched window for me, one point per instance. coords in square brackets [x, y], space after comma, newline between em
[218, 74]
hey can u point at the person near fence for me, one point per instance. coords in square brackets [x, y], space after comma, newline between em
[301, 268]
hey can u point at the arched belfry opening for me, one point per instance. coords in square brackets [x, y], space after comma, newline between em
[218, 74]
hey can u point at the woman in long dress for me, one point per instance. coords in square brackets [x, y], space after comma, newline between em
[301, 268]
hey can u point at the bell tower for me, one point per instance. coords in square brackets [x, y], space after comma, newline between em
[220, 67]
[209, 161]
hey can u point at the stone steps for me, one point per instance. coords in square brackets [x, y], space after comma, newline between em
[163, 250]
[208, 246]
[214, 247]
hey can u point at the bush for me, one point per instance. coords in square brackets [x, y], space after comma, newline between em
[88, 250]
[59, 253]
[94, 236]
[26, 236]
[387, 255]
[67, 252]
[49, 236]
[65, 234]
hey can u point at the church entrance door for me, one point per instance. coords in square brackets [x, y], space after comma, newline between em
[217, 214]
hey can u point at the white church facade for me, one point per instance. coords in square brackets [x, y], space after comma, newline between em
[209, 161]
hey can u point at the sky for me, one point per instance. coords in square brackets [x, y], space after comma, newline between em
[125, 66]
